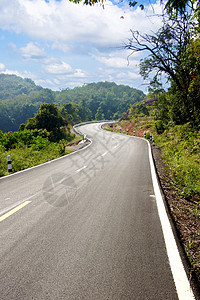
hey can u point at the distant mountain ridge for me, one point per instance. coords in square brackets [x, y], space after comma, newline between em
[12, 86]
[21, 98]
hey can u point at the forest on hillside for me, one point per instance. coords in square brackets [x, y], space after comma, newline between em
[20, 99]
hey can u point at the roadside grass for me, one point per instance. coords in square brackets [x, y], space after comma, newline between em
[26, 157]
[35, 152]
[181, 151]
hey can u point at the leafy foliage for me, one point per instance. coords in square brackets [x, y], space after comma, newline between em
[175, 51]
[101, 2]
[12, 86]
[112, 98]
[49, 118]
[19, 100]
[99, 115]
[181, 148]
[30, 147]
[28, 156]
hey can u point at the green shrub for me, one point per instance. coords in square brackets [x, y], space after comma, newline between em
[160, 126]
[181, 150]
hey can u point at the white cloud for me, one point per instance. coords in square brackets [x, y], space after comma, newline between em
[63, 21]
[75, 83]
[133, 75]
[23, 74]
[2, 67]
[79, 73]
[56, 81]
[44, 82]
[113, 62]
[61, 46]
[11, 72]
[59, 68]
[33, 52]
[87, 36]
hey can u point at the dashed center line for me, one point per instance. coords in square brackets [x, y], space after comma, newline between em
[104, 153]
[79, 170]
[14, 210]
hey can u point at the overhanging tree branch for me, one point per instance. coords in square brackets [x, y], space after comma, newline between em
[166, 50]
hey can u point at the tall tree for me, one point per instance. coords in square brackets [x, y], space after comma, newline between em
[49, 118]
[170, 52]
[70, 112]
[99, 115]
[84, 111]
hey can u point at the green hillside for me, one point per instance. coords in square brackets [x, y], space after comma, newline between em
[21, 98]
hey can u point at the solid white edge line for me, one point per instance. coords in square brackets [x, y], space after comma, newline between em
[50, 161]
[181, 281]
[47, 162]
[182, 284]
[183, 288]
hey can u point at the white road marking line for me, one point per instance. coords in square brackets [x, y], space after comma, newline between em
[104, 153]
[14, 210]
[181, 281]
[79, 170]
[48, 162]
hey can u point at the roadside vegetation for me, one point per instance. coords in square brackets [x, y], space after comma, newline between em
[43, 138]
[181, 150]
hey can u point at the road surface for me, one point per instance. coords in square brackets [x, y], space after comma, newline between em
[85, 226]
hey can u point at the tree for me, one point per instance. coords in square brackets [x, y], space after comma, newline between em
[101, 2]
[49, 118]
[170, 52]
[155, 88]
[70, 112]
[84, 111]
[182, 7]
[171, 6]
[99, 115]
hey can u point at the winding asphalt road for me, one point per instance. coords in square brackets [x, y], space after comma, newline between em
[85, 226]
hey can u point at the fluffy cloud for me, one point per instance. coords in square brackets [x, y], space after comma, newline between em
[58, 68]
[79, 73]
[66, 22]
[33, 52]
[2, 67]
[115, 61]
[66, 44]
[11, 72]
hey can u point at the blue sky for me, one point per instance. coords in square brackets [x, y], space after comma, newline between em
[61, 45]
